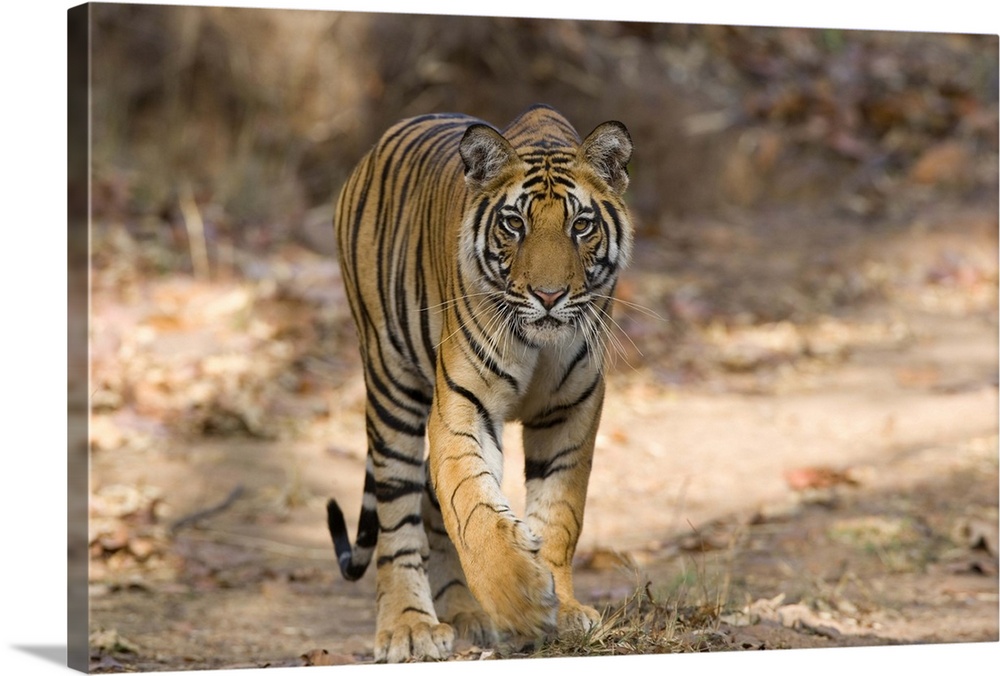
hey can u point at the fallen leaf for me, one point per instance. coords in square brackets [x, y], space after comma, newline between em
[104, 434]
[946, 162]
[800, 616]
[110, 641]
[918, 376]
[109, 535]
[806, 478]
[142, 548]
[320, 657]
[977, 534]
[607, 559]
[712, 537]
[105, 664]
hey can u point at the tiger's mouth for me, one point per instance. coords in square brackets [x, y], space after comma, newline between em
[539, 325]
[548, 323]
[547, 329]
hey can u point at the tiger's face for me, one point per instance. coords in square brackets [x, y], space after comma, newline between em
[547, 231]
[555, 255]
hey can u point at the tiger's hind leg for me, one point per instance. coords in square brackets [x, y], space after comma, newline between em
[407, 627]
[454, 602]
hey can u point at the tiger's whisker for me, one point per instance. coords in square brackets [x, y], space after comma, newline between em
[649, 312]
[620, 330]
[444, 305]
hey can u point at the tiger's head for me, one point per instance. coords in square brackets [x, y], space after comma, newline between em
[546, 231]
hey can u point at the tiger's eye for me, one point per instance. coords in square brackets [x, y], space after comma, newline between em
[583, 226]
[514, 224]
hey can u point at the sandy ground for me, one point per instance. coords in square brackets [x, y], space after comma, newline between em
[808, 437]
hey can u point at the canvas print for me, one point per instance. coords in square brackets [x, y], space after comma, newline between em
[413, 337]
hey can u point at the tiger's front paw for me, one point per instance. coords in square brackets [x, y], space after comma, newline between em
[575, 618]
[512, 585]
[414, 642]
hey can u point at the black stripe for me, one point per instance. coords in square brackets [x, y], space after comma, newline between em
[415, 394]
[577, 358]
[612, 212]
[480, 351]
[543, 469]
[544, 424]
[431, 149]
[481, 410]
[391, 558]
[388, 417]
[544, 420]
[556, 178]
[425, 319]
[493, 508]
[394, 489]
[364, 186]
[453, 583]
[397, 159]
[477, 234]
[378, 445]
[408, 520]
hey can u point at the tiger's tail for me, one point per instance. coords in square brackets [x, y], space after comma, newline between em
[354, 560]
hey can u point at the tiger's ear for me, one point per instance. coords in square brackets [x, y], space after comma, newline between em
[607, 150]
[485, 154]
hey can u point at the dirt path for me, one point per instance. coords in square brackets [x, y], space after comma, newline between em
[825, 472]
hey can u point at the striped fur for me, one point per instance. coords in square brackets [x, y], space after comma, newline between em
[480, 268]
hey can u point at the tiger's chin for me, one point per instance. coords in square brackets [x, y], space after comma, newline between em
[548, 331]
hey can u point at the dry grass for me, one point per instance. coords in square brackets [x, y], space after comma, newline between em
[678, 615]
[640, 625]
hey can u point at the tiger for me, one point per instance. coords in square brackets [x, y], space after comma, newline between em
[480, 268]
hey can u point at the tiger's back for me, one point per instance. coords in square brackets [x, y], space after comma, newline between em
[480, 269]
[395, 217]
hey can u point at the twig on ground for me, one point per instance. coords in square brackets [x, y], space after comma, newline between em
[195, 231]
[194, 518]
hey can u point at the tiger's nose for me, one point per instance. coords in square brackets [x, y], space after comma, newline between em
[548, 298]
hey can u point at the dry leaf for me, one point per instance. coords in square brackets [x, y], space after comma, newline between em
[110, 641]
[320, 657]
[607, 559]
[977, 534]
[806, 478]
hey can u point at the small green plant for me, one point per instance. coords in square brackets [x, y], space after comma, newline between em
[899, 543]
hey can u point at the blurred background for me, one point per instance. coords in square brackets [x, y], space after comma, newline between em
[261, 114]
[779, 173]
[814, 288]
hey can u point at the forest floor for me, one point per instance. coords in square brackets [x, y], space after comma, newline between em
[798, 450]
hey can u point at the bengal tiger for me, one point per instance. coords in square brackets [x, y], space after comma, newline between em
[480, 268]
